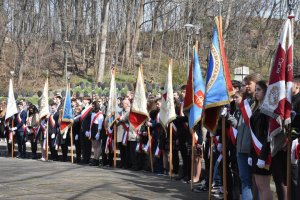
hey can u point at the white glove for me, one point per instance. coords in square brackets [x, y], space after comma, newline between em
[52, 136]
[250, 161]
[14, 128]
[261, 163]
[97, 136]
[76, 137]
[224, 111]
[219, 147]
[87, 134]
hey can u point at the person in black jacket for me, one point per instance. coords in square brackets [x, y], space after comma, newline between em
[20, 121]
[260, 124]
[86, 145]
[53, 131]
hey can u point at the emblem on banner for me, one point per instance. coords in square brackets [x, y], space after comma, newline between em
[273, 96]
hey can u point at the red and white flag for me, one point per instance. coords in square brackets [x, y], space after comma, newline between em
[139, 113]
[277, 102]
[167, 110]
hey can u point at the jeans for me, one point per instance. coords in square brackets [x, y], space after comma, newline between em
[245, 175]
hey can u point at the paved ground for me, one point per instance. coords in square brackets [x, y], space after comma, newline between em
[33, 179]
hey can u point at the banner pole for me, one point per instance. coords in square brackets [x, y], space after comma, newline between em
[224, 158]
[72, 153]
[12, 139]
[171, 151]
[150, 153]
[192, 162]
[210, 167]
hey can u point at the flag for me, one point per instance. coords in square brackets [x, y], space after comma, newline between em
[218, 83]
[112, 102]
[67, 115]
[44, 104]
[167, 109]
[195, 96]
[11, 108]
[138, 113]
[277, 102]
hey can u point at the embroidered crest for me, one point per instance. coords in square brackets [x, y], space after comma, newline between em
[273, 96]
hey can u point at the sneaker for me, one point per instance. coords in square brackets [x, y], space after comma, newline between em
[201, 189]
[43, 159]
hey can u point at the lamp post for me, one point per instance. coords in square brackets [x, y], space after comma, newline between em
[189, 29]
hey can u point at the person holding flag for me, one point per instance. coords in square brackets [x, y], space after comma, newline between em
[193, 105]
[11, 110]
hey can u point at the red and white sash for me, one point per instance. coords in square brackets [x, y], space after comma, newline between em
[125, 134]
[232, 134]
[247, 113]
[85, 112]
[93, 120]
[147, 147]
[52, 121]
[157, 151]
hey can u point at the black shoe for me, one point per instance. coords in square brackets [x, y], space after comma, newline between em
[179, 178]
[34, 156]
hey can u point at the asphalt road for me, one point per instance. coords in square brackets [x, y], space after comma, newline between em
[34, 179]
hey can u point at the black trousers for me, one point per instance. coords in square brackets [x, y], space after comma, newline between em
[131, 160]
[86, 148]
[21, 143]
[77, 148]
[183, 152]
[122, 149]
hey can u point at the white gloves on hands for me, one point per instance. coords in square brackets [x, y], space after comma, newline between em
[76, 137]
[88, 134]
[250, 161]
[224, 111]
[261, 163]
[219, 147]
[97, 136]
[14, 128]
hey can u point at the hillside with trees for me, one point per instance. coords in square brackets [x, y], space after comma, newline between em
[84, 38]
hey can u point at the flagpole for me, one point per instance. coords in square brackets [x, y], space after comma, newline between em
[115, 143]
[171, 151]
[47, 142]
[12, 139]
[291, 16]
[72, 153]
[210, 167]
[150, 144]
[224, 158]
[192, 162]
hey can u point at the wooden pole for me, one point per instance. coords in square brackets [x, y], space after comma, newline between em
[72, 153]
[224, 158]
[289, 173]
[12, 139]
[289, 128]
[192, 162]
[210, 167]
[115, 145]
[47, 140]
[150, 144]
[171, 151]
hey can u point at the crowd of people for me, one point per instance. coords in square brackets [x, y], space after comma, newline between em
[248, 174]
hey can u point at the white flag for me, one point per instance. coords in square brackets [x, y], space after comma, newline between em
[112, 102]
[139, 113]
[11, 108]
[44, 105]
[167, 109]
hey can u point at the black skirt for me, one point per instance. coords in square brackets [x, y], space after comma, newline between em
[94, 131]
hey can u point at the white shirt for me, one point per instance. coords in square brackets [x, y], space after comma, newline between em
[98, 121]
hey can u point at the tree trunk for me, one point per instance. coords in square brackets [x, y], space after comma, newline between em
[103, 43]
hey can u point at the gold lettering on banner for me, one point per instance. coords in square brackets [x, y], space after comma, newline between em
[216, 67]
[279, 65]
[273, 96]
